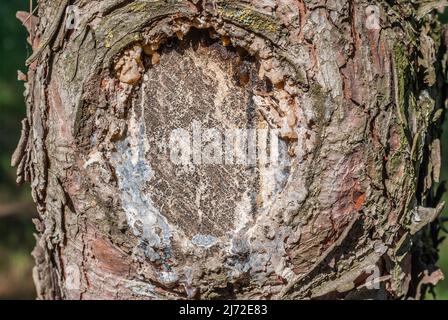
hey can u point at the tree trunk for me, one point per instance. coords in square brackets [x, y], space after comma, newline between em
[234, 149]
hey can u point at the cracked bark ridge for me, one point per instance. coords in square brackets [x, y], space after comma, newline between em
[358, 114]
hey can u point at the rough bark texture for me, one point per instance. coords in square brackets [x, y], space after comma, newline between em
[358, 111]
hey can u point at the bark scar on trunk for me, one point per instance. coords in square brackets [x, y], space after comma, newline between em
[151, 139]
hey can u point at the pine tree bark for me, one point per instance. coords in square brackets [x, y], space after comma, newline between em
[355, 90]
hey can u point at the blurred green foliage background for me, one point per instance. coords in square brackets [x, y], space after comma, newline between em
[16, 207]
[441, 290]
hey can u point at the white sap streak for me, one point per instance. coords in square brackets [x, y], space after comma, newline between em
[133, 173]
[204, 240]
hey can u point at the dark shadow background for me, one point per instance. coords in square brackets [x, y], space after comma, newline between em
[16, 207]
